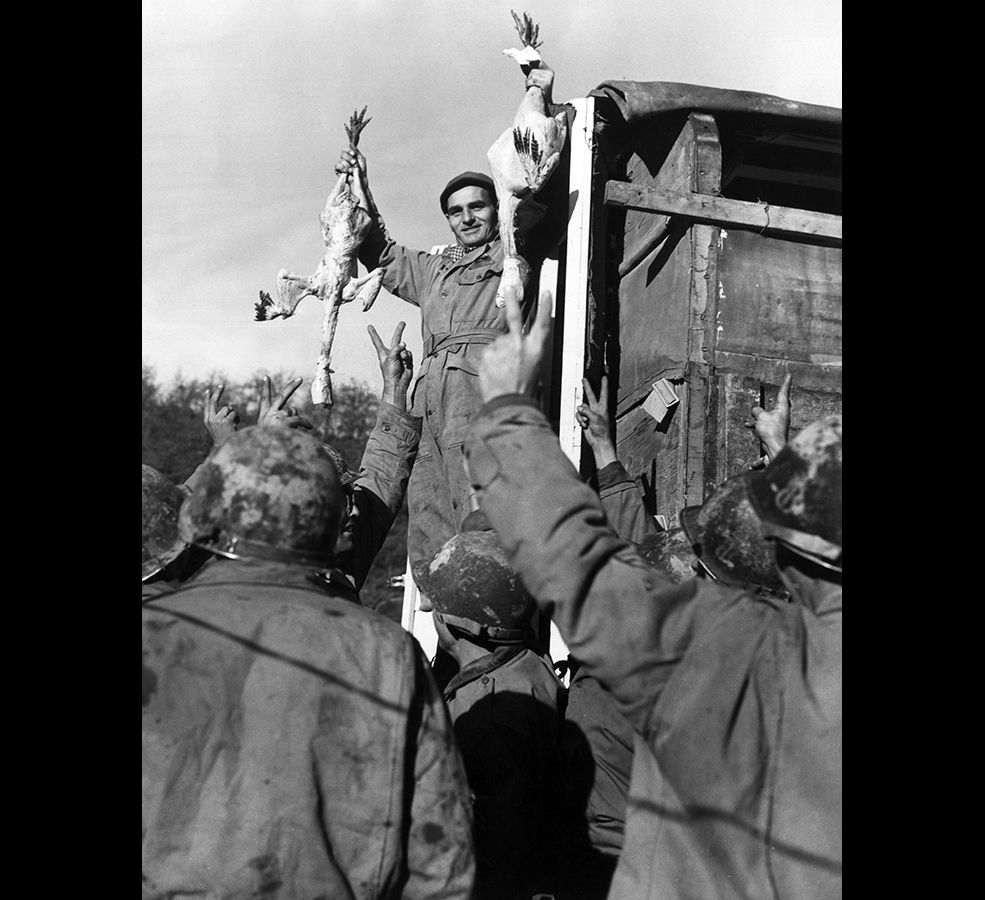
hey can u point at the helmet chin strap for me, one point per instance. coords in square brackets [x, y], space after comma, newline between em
[813, 558]
[485, 632]
[235, 548]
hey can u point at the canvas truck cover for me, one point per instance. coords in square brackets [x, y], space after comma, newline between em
[715, 270]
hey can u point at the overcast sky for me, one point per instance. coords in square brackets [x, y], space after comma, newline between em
[244, 103]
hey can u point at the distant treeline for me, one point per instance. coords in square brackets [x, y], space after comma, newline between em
[174, 440]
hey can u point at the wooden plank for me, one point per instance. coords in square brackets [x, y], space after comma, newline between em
[695, 154]
[778, 299]
[810, 376]
[777, 220]
[706, 179]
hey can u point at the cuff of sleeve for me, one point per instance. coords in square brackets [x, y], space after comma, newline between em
[388, 412]
[612, 474]
[507, 400]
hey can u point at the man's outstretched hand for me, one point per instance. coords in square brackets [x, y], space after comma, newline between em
[511, 363]
[593, 416]
[275, 411]
[220, 421]
[396, 365]
[772, 428]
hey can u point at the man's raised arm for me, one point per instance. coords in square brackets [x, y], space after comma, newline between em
[621, 618]
[385, 469]
[403, 269]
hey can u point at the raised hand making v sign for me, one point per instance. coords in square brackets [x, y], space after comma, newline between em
[511, 363]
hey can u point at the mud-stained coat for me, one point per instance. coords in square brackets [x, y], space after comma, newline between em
[737, 698]
[294, 746]
[459, 317]
[506, 712]
[596, 739]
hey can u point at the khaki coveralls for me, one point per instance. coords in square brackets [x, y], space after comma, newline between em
[459, 318]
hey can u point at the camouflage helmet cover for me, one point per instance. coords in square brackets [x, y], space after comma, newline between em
[267, 493]
[471, 583]
[670, 553]
[161, 504]
[798, 495]
[728, 537]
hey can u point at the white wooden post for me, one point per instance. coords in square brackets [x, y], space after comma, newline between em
[576, 275]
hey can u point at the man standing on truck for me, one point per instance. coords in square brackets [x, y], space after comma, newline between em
[456, 292]
[737, 697]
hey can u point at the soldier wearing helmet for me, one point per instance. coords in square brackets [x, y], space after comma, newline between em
[735, 696]
[504, 700]
[283, 724]
[375, 493]
[166, 559]
[161, 502]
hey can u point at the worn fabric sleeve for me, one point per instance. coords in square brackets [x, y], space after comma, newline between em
[623, 503]
[627, 624]
[404, 270]
[379, 491]
[440, 854]
[188, 485]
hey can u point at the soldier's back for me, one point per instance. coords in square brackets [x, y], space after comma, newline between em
[275, 730]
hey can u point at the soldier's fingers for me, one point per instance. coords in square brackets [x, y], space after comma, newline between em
[218, 394]
[285, 394]
[267, 391]
[377, 341]
[542, 323]
[589, 393]
[783, 397]
[604, 388]
[514, 318]
[757, 411]
[398, 333]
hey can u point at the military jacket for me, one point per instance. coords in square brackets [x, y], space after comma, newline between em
[295, 747]
[737, 698]
[505, 708]
[457, 300]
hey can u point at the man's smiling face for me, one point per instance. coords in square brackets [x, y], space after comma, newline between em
[471, 214]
